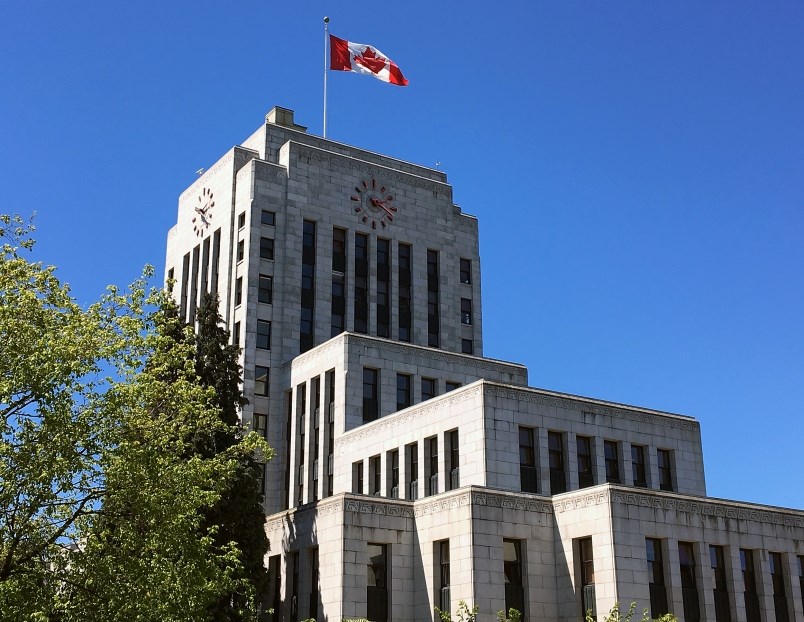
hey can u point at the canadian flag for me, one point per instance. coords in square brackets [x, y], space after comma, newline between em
[362, 58]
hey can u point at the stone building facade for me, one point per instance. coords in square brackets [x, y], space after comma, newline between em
[412, 472]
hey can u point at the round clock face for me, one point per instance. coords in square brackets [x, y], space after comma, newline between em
[374, 204]
[203, 212]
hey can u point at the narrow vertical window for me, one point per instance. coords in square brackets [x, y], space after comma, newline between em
[238, 297]
[528, 474]
[267, 247]
[466, 271]
[665, 469]
[315, 587]
[375, 476]
[377, 583]
[294, 588]
[263, 335]
[442, 557]
[466, 311]
[405, 293]
[453, 480]
[611, 450]
[170, 280]
[586, 476]
[383, 288]
[216, 259]
[316, 421]
[638, 466]
[656, 585]
[512, 569]
[260, 424]
[432, 463]
[689, 584]
[241, 250]
[194, 284]
[801, 575]
[265, 289]
[236, 334]
[750, 593]
[721, 584]
[185, 280]
[371, 401]
[404, 397]
[307, 324]
[587, 567]
[777, 580]
[412, 458]
[261, 381]
[467, 346]
[330, 431]
[433, 312]
[428, 388]
[361, 283]
[338, 309]
[393, 470]
[205, 267]
[357, 477]
[451, 386]
[259, 471]
[302, 444]
[558, 474]
[241, 220]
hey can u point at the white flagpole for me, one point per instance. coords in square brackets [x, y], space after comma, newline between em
[326, 41]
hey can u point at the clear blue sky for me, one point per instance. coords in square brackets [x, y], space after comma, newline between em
[637, 168]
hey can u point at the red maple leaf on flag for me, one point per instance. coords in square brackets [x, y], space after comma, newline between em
[370, 60]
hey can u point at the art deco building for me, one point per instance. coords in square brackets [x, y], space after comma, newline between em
[411, 472]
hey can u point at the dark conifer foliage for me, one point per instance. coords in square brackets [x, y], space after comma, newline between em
[239, 514]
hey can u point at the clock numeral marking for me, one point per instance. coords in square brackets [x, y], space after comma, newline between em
[358, 209]
[358, 190]
[357, 199]
[365, 218]
[382, 189]
[365, 185]
[373, 183]
[373, 224]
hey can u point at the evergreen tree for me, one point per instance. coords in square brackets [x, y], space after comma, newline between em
[238, 516]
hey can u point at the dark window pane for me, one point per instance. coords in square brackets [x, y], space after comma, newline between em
[268, 218]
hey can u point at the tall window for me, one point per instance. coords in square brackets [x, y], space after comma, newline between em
[185, 280]
[393, 471]
[361, 283]
[377, 583]
[638, 466]
[371, 400]
[466, 311]
[587, 567]
[433, 313]
[404, 393]
[261, 381]
[512, 569]
[656, 585]
[665, 469]
[267, 248]
[689, 585]
[301, 396]
[265, 290]
[558, 476]
[263, 335]
[260, 424]
[405, 294]
[428, 388]
[586, 475]
[238, 297]
[375, 476]
[306, 325]
[442, 555]
[383, 288]
[721, 592]
[528, 473]
[241, 250]
[216, 258]
[330, 379]
[294, 588]
[194, 284]
[801, 575]
[412, 458]
[612, 455]
[453, 480]
[338, 312]
[466, 271]
[750, 593]
[432, 464]
[314, 580]
[316, 421]
[777, 579]
[357, 477]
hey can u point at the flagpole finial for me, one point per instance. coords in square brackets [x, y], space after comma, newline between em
[326, 20]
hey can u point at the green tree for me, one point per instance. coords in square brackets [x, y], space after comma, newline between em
[615, 615]
[238, 516]
[103, 494]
